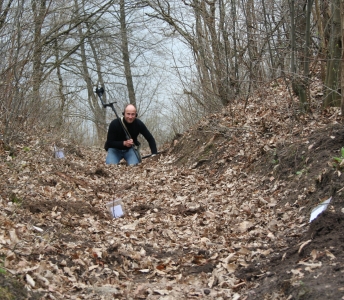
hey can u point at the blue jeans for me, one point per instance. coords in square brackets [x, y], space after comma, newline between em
[114, 156]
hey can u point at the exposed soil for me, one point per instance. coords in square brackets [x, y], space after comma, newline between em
[313, 164]
[78, 208]
[189, 218]
[315, 270]
[308, 170]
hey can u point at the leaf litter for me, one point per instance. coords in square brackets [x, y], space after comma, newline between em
[222, 214]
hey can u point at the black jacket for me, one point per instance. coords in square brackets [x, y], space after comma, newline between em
[116, 135]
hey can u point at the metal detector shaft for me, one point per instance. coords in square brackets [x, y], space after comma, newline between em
[100, 92]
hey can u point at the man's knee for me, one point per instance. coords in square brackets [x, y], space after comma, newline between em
[112, 158]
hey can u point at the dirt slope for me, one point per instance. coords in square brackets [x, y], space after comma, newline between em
[223, 214]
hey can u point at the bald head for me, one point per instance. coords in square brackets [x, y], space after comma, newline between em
[130, 113]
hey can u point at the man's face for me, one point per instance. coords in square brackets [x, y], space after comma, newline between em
[130, 114]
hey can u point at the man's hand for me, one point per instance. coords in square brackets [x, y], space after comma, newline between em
[128, 143]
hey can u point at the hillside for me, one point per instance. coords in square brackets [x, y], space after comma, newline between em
[222, 214]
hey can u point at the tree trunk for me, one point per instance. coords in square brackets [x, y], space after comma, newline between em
[228, 81]
[268, 26]
[235, 47]
[92, 99]
[321, 20]
[299, 84]
[307, 39]
[62, 96]
[304, 86]
[125, 54]
[333, 75]
[39, 10]
[217, 51]
[99, 112]
[293, 45]
[202, 63]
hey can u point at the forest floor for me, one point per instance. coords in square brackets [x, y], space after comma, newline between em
[223, 213]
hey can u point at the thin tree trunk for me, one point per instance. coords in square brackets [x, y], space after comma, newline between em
[332, 82]
[99, 112]
[255, 72]
[304, 85]
[321, 25]
[293, 43]
[205, 60]
[125, 54]
[224, 34]
[307, 38]
[39, 10]
[63, 99]
[268, 27]
[297, 82]
[92, 99]
[235, 47]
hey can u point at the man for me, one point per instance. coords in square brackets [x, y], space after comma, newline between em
[118, 146]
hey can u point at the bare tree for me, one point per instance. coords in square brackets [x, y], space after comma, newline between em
[39, 9]
[13, 71]
[322, 21]
[333, 74]
[42, 37]
[56, 52]
[207, 47]
[125, 54]
[4, 12]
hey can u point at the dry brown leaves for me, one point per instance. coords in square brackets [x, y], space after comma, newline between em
[186, 231]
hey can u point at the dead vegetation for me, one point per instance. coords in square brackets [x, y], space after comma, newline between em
[224, 214]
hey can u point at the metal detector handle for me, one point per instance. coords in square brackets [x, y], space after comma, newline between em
[153, 154]
[149, 155]
[100, 92]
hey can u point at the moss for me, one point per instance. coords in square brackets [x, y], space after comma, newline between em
[5, 294]
[11, 288]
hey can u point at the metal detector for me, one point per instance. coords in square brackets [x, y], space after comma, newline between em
[100, 92]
